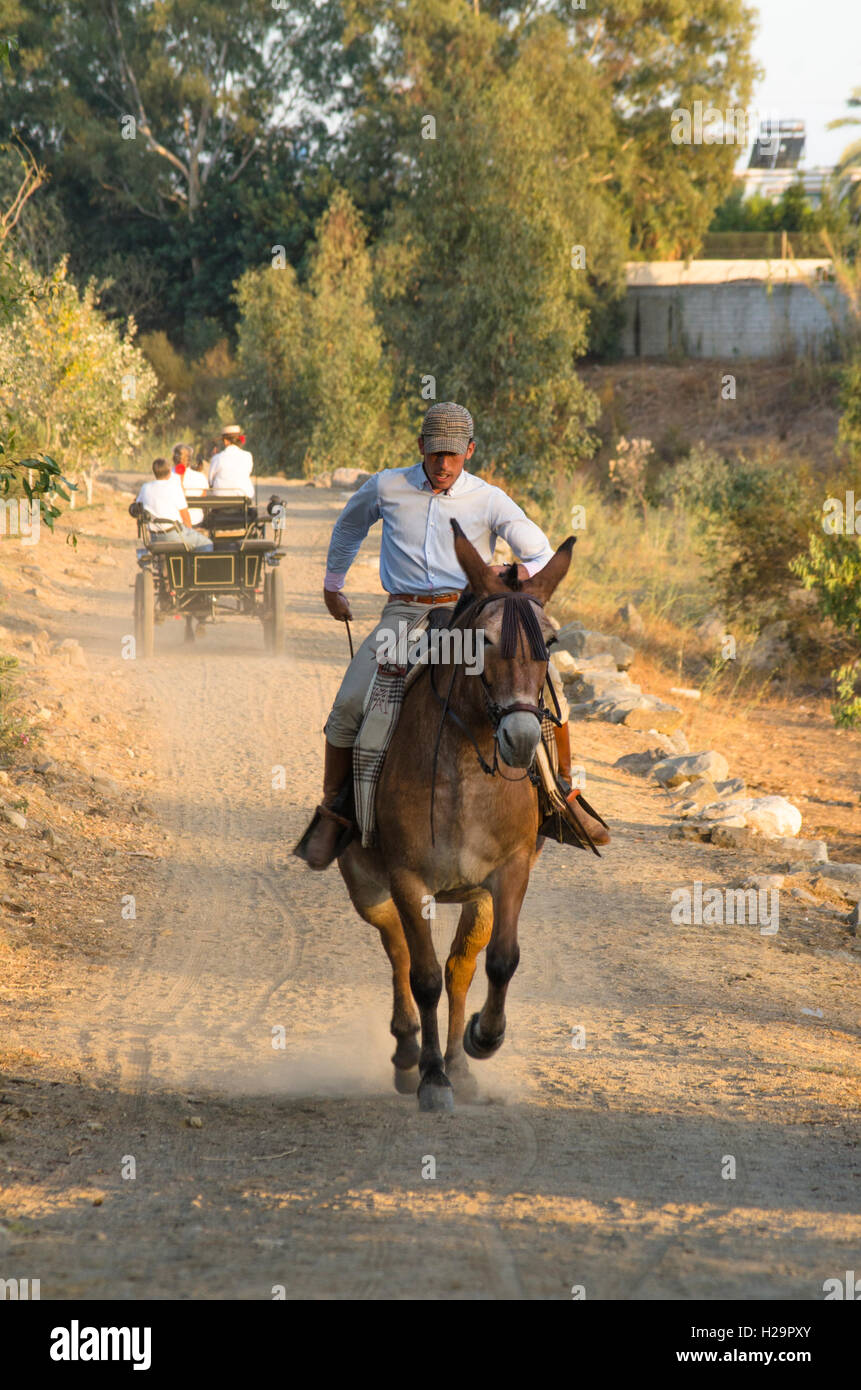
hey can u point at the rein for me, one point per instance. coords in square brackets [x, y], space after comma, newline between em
[516, 618]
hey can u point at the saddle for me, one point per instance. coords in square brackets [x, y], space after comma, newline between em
[354, 804]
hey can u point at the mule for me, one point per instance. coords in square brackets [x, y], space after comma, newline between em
[449, 833]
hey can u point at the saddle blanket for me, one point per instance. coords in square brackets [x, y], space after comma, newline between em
[381, 710]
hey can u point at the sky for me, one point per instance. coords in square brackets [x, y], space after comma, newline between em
[811, 53]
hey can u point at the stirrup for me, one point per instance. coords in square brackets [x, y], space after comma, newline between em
[344, 801]
[564, 827]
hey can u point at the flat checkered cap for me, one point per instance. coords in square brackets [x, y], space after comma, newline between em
[447, 428]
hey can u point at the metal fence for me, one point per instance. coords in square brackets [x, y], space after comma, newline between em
[732, 246]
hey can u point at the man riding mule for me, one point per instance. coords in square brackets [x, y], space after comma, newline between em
[443, 770]
[457, 804]
[421, 569]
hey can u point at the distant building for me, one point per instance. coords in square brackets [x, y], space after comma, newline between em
[774, 163]
[731, 309]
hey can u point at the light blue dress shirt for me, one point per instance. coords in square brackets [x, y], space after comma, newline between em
[417, 547]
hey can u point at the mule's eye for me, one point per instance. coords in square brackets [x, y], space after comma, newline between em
[549, 641]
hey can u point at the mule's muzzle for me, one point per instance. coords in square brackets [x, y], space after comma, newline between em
[518, 737]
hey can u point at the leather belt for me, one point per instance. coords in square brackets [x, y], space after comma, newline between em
[424, 598]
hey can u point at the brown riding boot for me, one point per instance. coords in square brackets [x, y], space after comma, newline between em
[320, 849]
[598, 833]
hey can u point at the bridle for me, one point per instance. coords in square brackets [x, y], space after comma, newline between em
[517, 620]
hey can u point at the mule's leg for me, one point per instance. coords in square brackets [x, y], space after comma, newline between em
[410, 895]
[370, 895]
[486, 1030]
[405, 1019]
[472, 935]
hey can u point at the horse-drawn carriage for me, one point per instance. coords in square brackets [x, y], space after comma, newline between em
[237, 572]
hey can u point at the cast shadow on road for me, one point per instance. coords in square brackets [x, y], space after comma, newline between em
[327, 1197]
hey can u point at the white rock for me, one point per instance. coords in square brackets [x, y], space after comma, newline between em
[565, 664]
[728, 806]
[610, 685]
[852, 871]
[774, 816]
[771, 648]
[672, 771]
[71, 652]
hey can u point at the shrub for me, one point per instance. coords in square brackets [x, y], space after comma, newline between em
[72, 382]
[832, 569]
[753, 519]
[849, 431]
[628, 469]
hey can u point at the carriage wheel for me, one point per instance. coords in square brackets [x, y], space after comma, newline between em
[144, 615]
[273, 607]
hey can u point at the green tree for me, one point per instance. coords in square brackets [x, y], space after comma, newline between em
[791, 212]
[71, 382]
[349, 380]
[315, 380]
[502, 240]
[272, 353]
[641, 60]
[36, 476]
[832, 569]
[224, 104]
[657, 56]
[848, 168]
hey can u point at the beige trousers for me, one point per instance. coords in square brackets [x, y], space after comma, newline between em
[343, 723]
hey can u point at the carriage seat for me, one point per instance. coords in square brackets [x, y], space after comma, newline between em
[254, 545]
[231, 521]
[174, 545]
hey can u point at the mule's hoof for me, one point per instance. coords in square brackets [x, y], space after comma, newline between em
[477, 1047]
[407, 1053]
[466, 1087]
[436, 1095]
[406, 1080]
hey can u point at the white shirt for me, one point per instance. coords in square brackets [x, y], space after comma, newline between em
[417, 545]
[164, 498]
[230, 471]
[193, 483]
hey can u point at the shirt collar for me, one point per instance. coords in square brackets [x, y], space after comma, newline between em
[419, 479]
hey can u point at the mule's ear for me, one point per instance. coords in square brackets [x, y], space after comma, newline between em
[480, 577]
[545, 581]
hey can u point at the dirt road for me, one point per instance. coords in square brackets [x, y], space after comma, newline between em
[258, 1165]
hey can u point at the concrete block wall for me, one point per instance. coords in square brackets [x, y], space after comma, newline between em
[738, 319]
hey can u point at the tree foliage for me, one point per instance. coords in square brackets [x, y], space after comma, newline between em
[247, 117]
[832, 569]
[640, 61]
[501, 239]
[72, 383]
[848, 170]
[317, 386]
[183, 138]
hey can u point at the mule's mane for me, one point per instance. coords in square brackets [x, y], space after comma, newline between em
[518, 615]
